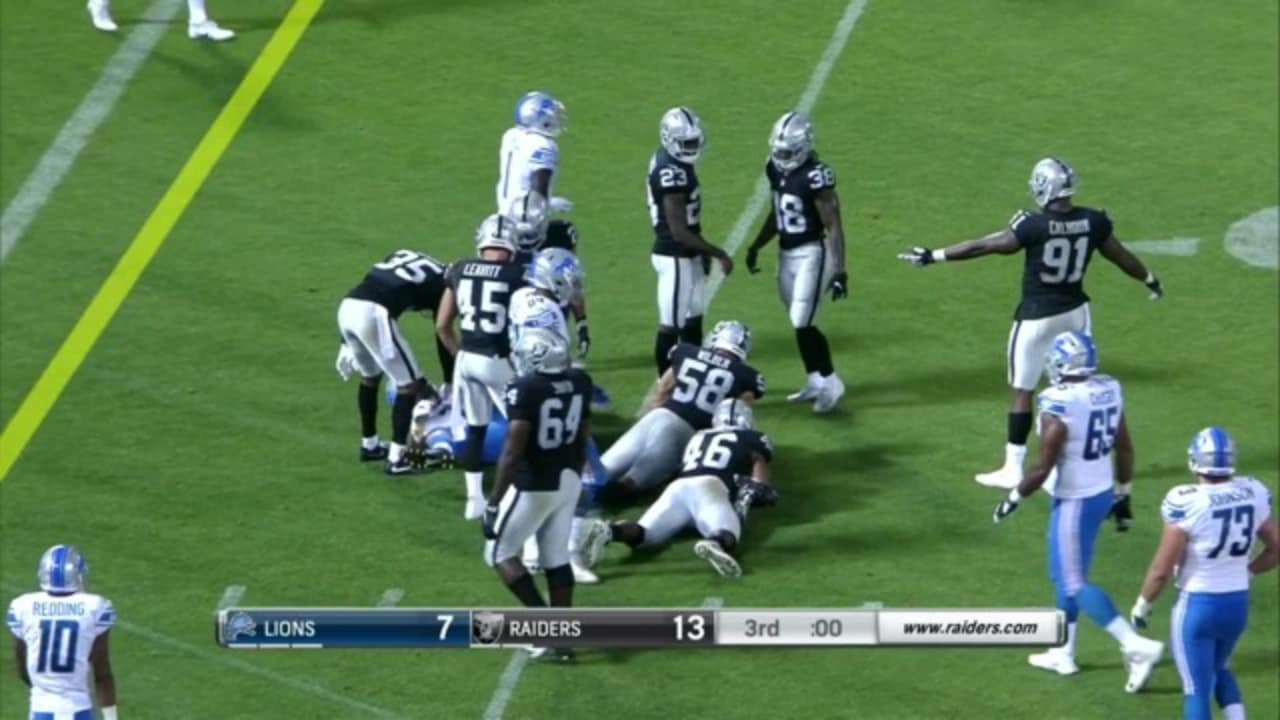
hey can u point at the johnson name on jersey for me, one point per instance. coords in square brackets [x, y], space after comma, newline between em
[1058, 248]
[1091, 410]
[482, 290]
[725, 454]
[59, 631]
[406, 280]
[795, 205]
[1221, 520]
[555, 406]
[703, 378]
[669, 176]
[522, 154]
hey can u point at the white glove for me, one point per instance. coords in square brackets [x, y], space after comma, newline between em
[1140, 612]
[559, 204]
[346, 362]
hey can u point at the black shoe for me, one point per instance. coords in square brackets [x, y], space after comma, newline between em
[403, 467]
[377, 453]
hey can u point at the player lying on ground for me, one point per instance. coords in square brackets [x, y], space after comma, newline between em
[1209, 530]
[725, 472]
[61, 636]
[199, 24]
[1081, 422]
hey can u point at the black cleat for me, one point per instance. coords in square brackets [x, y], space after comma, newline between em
[403, 467]
[377, 453]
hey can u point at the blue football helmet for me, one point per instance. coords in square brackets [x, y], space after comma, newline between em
[62, 570]
[1072, 354]
[558, 272]
[539, 112]
[1212, 453]
[1051, 179]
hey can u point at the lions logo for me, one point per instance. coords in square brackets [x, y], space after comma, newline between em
[237, 625]
[486, 627]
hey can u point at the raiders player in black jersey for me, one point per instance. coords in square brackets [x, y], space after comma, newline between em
[725, 471]
[372, 344]
[532, 231]
[1059, 241]
[806, 219]
[648, 454]
[478, 292]
[681, 257]
[537, 483]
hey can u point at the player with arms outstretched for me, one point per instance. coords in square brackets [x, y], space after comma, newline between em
[530, 155]
[1209, 530]
[1081, 426]
[61, 636]
[1058, 241]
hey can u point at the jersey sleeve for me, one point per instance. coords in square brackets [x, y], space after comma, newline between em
[1023, 226]
[451, 274]
[543, 154]
[106, 617]
[14, 619]
[668, 178]
[1263, 494]
[1049, 403]
[1180, 507]
[751, 380]
[763, 446]
[1102, 227]
[520, 402]
[820, 177]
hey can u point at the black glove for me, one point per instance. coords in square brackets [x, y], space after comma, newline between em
[421, 457]
[584, 339]
[919, 256]
[1122, 513]
[1153, 284]
[758, 494]
[753, 260]
[706, 264]
[839, 286]
[489, 522]
[1004, 509]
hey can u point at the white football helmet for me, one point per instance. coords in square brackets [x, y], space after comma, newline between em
[680, 131]
[790, 141]
[540, 350]
[731, 336]
[1051, 179]
[1212, 453]
[539, 112]
[527, 213]
[495, 233]
[558, 272]
[733, 413]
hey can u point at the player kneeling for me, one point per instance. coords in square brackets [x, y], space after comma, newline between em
[725, 472]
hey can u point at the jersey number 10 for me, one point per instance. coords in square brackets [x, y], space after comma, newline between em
[57, 651]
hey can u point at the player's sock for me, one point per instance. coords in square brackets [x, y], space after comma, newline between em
[1070, 647]
[1015, 451]
[402, 417]
[822, 353]
[367, 401]
[447, 360]
[475, 484]
[631, 533]
[1233, 712]
[662, 349]
[195, 12]
[525, 591]
[394, 452]
[473, 449]
[560, 585]
[692, 331]
[808, 351]
[370, 443]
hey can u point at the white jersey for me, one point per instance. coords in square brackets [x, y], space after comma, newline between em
[530, 308]
[1091, 410]
[59, 631]
[1221, 520]
[524, 153]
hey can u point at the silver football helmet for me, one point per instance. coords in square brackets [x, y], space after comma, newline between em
[1072, 354]
[539, 112]
[790, 141]
[558, 272]
[495, 233]
[1051, 179]
[680, 131]
[732, 413]
[540, 350]
[62, 569]
[731, 336]
[1212, 453]
[527, 213]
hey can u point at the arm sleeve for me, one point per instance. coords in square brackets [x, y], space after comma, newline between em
[1022, 226]
[106, 617]
[518, 403]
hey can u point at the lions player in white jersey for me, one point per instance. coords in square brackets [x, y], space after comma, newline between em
[62, 636]
[199, 25]
[1209, 530]
[529, 156]
[1081, 422]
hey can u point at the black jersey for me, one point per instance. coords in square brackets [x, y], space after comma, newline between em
[406, 280]
[482, 290]
[795, 201]
[1058, 248]
[704, 377]
[555, 406]
[725, 454]
[560, 234]
[669, 176]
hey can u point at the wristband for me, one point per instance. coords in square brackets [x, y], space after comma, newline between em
[1014, 495]
[939, 255]
[1123, 489]
[109, 713]
[1142, 607]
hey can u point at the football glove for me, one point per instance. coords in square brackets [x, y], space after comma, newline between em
[421, 457]
[758, 494]
[584, 339]
[1140, 612]
[489, 522]
[346, 363]
[559, 204]
[1006, 506]
[1153, 284]
[1122, 513]
[919, 256]
[753, 260]
[706, 264]
[839, 286]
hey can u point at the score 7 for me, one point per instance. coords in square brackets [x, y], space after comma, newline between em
[445, 622]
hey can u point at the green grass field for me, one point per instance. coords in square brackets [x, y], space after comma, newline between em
[206, 442]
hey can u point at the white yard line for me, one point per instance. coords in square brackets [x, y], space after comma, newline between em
[93, 110]
[760, 195]
[1182, 246]
[390, 598]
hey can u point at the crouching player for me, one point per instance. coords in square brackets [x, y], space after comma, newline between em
[725, 472]
[1209, 530]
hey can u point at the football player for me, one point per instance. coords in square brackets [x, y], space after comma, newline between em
[1081, 423]
[649, 453]
[806, 219]
[537, 484]
[199, 24]
[529, 156]
[478, 293]
[681, 257]
[534, 232]
[725, 471]
[1059, 241]
[372, 344]
[61, 636]
[1209, 530]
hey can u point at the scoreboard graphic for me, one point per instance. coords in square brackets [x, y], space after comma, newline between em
[316, 628]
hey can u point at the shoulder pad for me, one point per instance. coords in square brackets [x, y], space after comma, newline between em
[1018, 218]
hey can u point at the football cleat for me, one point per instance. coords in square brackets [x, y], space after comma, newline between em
[399, 467]
[831, 391]
[595, 536]
[581, 574]
[1140, 658]
[808, 393]
[209, 30]
[100, 15]
[379, 452]
[1055, 660]
[1006, 478]
[721, 561]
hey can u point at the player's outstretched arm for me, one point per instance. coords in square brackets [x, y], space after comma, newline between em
[673, 207]
[1120, 256]
[20, 661]
[1173, 543]
[1270, 555]
[1003, 242]
[1053, 438]
[444, 321]
[103, 680]
[828, 203]
[767, 232]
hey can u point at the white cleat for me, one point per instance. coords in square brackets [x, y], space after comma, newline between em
[474, 509]
[721, 561]
[1006, 478]
[595, 536]
[808, 393]
[830, 394]
[100, 14]
[1140, 658]
[581, 574]
[209, 30]
[1054, 660]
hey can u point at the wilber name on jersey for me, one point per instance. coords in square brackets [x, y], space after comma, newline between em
[725, 454]
[59, 631]
[561, 234]
[703, 378]
[482, 290]
[405, 280]
[1221, 520]
[555, 406]
[795, 201]
[1091, 410]
[1058, 247]
[669, 176]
